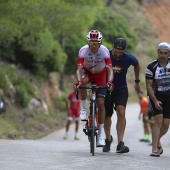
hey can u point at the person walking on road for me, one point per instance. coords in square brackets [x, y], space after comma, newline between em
[73, 107]
[144, 104]
[93, 63]
[121, 61]
[150, 119]
[158, 88]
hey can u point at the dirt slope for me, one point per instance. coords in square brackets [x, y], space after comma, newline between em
[158, 12]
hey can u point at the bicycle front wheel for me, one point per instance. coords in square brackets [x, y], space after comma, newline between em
[92, 143]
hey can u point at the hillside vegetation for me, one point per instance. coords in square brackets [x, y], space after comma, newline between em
[34, 43]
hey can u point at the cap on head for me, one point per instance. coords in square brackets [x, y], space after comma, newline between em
[164, 46]
[94, 35]
[119, 44]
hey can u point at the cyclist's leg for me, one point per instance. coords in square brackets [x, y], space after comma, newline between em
[100, 80]
[100, 100]
[85, 80]
[83, 95]
[101, 117]
[101, 109]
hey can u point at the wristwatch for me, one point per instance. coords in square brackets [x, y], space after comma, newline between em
[137, 81]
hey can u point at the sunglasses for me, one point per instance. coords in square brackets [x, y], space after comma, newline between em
[94, 44]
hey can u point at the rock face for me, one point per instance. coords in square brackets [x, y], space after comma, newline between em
[158, 14]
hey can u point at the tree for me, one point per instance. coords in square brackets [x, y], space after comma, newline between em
[39, 28]
[113, 25]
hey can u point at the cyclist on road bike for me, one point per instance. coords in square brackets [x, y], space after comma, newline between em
[93, 62]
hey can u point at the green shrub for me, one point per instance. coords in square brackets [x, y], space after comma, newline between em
[3, 83]
[113, 25]
[24, 89]
[8, 130]
[29, 88]
[22, 95]
[61, 102]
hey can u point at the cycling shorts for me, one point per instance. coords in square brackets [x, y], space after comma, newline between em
[165, 99]
[73, 113]
[99, 79]
[118, 97]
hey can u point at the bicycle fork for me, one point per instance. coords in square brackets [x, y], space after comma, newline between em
[87, 126]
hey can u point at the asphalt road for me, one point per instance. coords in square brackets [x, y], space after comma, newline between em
[54, 153]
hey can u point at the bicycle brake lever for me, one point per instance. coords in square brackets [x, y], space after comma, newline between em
[109, 95]
[77, 95]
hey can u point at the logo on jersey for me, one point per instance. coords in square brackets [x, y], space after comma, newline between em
[117, 69]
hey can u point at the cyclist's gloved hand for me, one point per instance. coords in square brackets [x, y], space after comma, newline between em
[77, 84]
[110, 86]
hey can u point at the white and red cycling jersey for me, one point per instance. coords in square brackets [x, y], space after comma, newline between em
[94, 63]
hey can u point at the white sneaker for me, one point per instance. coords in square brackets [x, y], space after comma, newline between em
[100, 140]
[83, 114]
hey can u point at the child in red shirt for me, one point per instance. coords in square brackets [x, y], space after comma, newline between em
[73, 112]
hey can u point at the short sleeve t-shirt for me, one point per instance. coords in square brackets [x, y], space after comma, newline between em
[74, 103]
[160, 77]
[120, 68]
[144, 103]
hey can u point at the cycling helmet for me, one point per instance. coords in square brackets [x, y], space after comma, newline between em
[94, 35]
[119, 44]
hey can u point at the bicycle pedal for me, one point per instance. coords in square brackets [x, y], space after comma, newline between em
[84, 120]
[98, 146]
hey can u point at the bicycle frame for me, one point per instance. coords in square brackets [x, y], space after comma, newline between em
[92, 126]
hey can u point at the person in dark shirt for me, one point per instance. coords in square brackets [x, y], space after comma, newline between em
[121, 61]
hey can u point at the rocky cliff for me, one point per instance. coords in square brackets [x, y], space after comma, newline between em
[158, 12]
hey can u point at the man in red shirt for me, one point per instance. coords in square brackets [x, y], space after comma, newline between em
[93, 62]
[73, 112]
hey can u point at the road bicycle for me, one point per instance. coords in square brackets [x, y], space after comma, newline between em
[91, 126]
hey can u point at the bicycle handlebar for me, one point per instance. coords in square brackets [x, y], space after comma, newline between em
[92, 87]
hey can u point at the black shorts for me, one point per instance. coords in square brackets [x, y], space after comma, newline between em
[150, 114]
[118, 97]
[165, 99]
